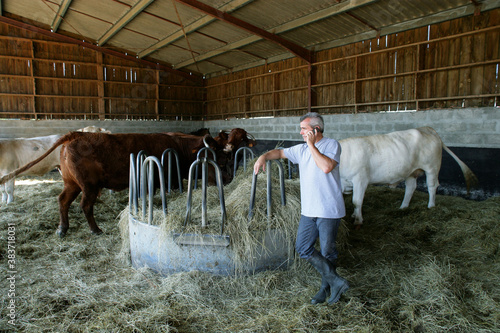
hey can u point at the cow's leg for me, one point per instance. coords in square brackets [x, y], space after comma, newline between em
[432, 185]
[4, 193]
[8, 191]
[410, 186]
[67, 196]
[89, 198]
[358, 193]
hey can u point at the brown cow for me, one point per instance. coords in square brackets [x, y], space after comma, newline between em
[231, 140]
[93, 161]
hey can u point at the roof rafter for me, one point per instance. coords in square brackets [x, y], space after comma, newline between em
[298, 50]
[63, 8]
[129, 16]
[335, 9]
[229, 7]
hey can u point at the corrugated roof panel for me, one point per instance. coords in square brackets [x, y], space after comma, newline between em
[171, 54]
[199, 43]
[108, 11]
[267, 14]
[129, 40]
[168, 11]
[153, 26]
[335, 27]
[224, 31]
[234, 58]
[388, 12]
[265, 49]
[38, 11]
[83, 25]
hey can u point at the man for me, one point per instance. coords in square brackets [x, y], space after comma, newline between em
[322, 203]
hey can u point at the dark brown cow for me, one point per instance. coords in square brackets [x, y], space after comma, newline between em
[233, 139]
[93, 161]
[201, 132]
[229, 142]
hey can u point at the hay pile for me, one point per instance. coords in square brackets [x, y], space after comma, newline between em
[415, 270]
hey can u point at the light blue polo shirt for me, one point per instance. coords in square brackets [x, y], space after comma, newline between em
[320, 193]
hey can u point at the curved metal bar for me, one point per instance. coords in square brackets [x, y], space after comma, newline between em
[171, 151]
[269, 189]
[252, 196]
[133, 199]
[204, 162]
[206, 150]
[141, 155]
[244, 150]
[282, 183]
[151, 161]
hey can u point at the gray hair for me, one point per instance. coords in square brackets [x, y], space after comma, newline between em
[316, 120]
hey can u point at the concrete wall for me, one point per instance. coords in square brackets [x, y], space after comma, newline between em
[474, 127]
[30, 128]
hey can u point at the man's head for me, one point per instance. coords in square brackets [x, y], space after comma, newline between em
[315, 121]
[311, 126]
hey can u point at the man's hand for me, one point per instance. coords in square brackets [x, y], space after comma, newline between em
[270, 155]
[311, 137]
[260, 163]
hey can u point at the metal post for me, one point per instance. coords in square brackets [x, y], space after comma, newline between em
[150, 161]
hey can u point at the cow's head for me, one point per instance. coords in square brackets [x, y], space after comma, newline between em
[236, 137]
[222, 137]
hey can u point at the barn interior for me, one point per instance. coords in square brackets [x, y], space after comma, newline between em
[367, 66]
[370, 67]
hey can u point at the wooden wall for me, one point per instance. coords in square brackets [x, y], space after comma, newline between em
[41, 78]
[453, 64]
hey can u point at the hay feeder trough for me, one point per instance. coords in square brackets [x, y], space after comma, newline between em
[179, 251]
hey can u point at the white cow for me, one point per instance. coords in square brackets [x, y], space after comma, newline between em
[15, 153]
[391, 158]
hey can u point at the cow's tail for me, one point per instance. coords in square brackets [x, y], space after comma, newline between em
[65, 138]
[470, 178]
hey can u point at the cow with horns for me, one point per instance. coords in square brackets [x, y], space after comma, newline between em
[15, 153]
[230, 141]
[391, 158]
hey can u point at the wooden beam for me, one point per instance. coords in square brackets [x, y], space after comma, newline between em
[194, 78]
[335, 9]
[229, 7]
[124, 20]
[63, 8]
[299, 51]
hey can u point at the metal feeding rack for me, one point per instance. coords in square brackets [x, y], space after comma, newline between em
[182, 251]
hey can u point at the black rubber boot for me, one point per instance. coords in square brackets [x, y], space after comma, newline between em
[324, 290]
[337, 285]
